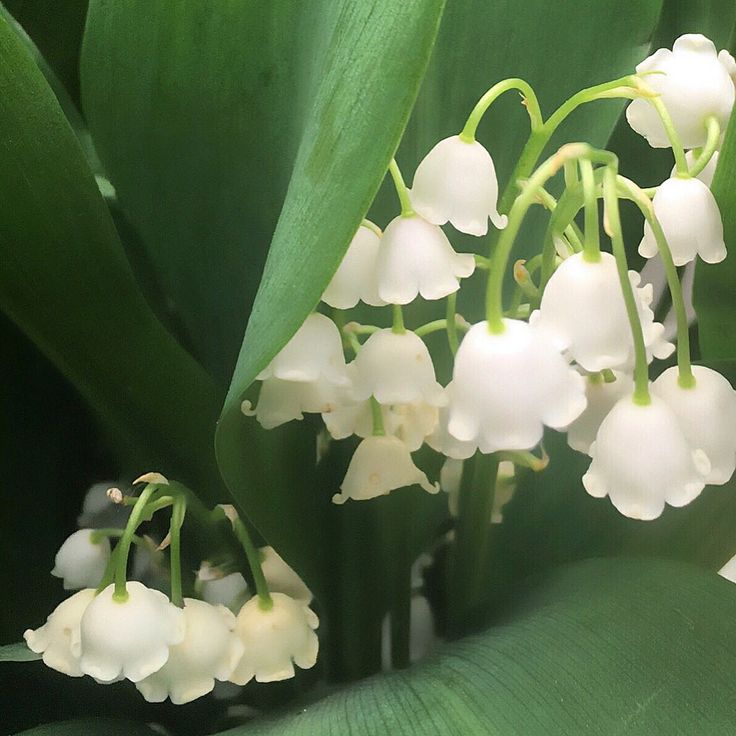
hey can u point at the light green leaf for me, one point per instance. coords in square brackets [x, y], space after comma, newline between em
[17, 653]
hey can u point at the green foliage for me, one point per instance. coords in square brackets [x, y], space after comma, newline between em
[17, 653]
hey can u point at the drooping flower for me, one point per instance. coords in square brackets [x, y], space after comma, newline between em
[641, 460]
[275, 639]
[602, 397]
[281, 577]
[128, 638]
[508, 386]
[456, 182]
[707, 415]
[355, 279]
[440, 438]
[380, 465]
[230, 590]
[396, 369]
[584, 314]
[58, 638]
[690, 219]
[416, 258]
[209, 651]
[694, 83]
[81, 560]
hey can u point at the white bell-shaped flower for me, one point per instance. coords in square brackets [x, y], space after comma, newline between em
[442, 441]
[707, 414]
[281, 577]
[275, 639]
[707, 174]
[396, 369]
[128, 639]
[209, 651]
[451, 477]
[584, 313]
[602, 397]
[313, 353]
[694, 83]
[81, 560]
[456, 182]
[230, 590]
[58, 638]
[416, 258]
[349, 418]
[641, 460]
[355, 279]
[379, 466]
[508, 386]
[691, 222]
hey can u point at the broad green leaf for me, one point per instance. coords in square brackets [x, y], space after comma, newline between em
[602, 647]
[17, 653]
[91, 727]
[66, 283]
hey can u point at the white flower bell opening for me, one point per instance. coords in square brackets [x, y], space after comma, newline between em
[707, 415]
[378, 466]
[58, 638]
[209, 651]
[584, 314]
[642, 460]
[694, 83]
[456, 182]
[81, 560]
[128, 639]
[691, 221]
[416, 258]
[602, 397]
[275, 639]
[396, 368]
[281, 578]
[355, 279]
[508, 386]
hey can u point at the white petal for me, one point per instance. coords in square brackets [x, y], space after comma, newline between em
[80, 561]
[281, 578]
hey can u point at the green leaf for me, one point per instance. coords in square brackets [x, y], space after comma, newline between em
[603, 647]
[17, 653]
[91, 727]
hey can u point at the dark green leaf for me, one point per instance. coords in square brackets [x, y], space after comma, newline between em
[17, 653]
[91, 727]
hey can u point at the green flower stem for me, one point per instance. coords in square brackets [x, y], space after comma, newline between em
[672, 137]
[592, 247]
[451, 323]
[398, 323]
[177, 519]
[442, 324]
[569, 231]
[481, 107]
[111, 532]
[353, 342]
[571, 174]
[120, 593]
[524, 281]
[372, 226]
[686, 379]
[482, 263]
[358, 329]
[377, 417]
[612, 222]
[254, 562]
[401, 190]
[710, 147]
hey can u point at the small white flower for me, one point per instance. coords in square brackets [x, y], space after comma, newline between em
[230, 590]
[313, 353]
[691, 221]
[355, 279]
[508, 386]
[349, 418]
[602, 396]
[694, 84]
[707, 414]
[81, 562]
[415, 257]
[210, 650]
[59, 636]
[641, 460]
[281, 577]
[396, 369]
[442, 441]
[128, 638]
[275, 640]
[584, 314]
[456, 182]
[707, 174]
[379, 466]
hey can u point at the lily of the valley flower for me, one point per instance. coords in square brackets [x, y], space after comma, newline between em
[275, 639]
[416, 258]
[707, 415]
[707, 174]
[642, 460]
[508, 386]
[456, 182]
[81, 560]
[130, 638]
[442, 441]
[690, 219]
[230, 590]
[209, 651]
[281, 578]
[378, 466]
[694, 83]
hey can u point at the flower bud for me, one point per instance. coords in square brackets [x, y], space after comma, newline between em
[81, 562]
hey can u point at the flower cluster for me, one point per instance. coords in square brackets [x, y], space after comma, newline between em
[573, 353]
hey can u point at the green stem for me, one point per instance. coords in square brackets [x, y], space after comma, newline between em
[481, 107]
[398, 322]
[613, 223]
[401, 189]
[451, 323]
[551, 203]
[254, 562]
[592, 247]
[672, 137]
[377, 417]
[177, 519]
[710, 147]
